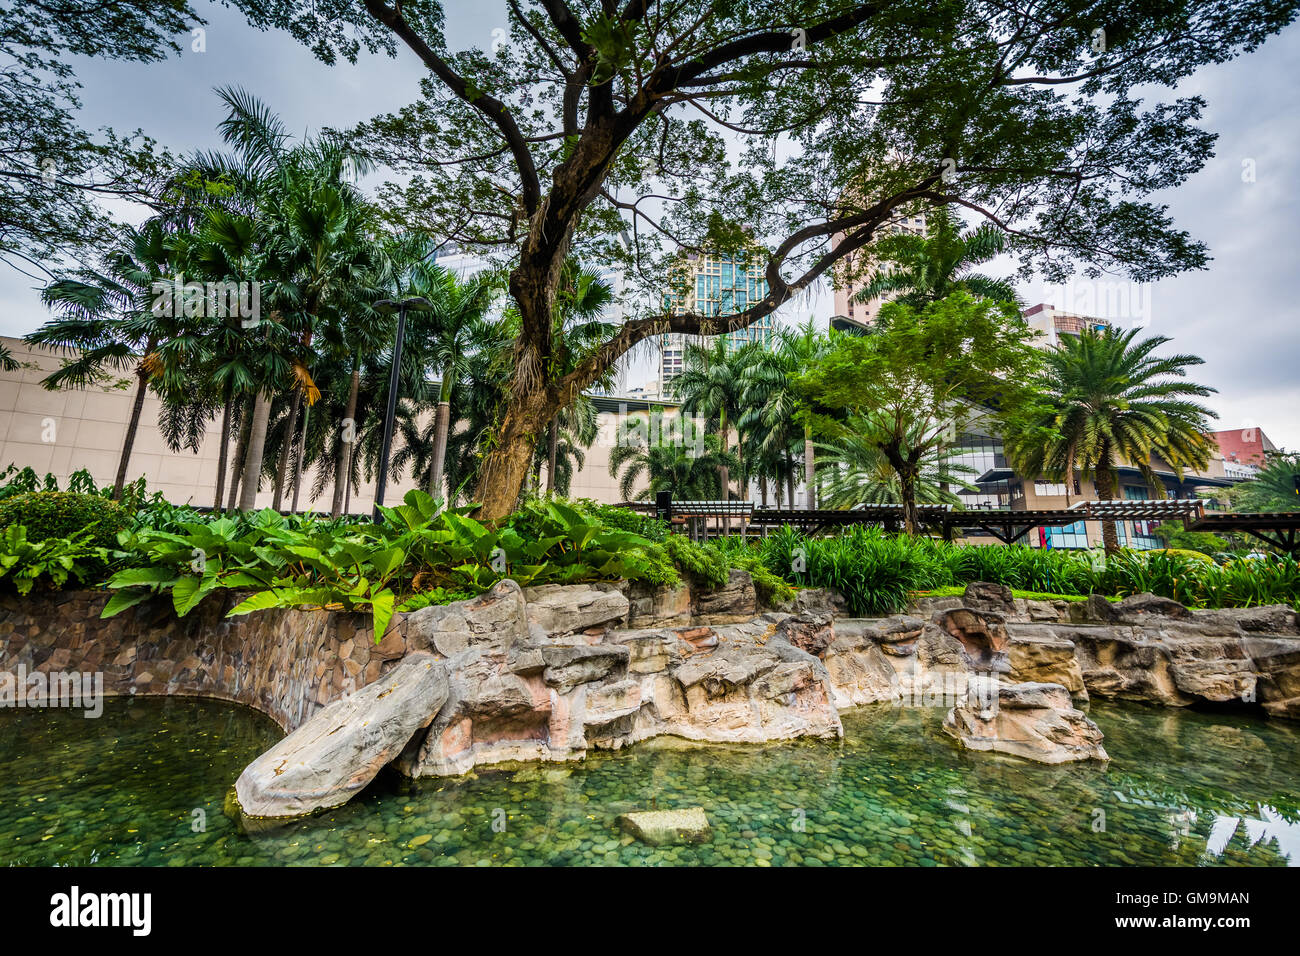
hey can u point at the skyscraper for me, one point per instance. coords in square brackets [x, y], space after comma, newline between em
[850, 314]
[715, 285]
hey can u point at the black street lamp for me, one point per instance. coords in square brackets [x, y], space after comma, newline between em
[388, 307]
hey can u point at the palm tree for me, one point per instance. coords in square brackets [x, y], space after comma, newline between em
[669, 455]
[855, 471]
[711, 385]
[7, 361]
[769, 401]
[582, 298]
[1273, 488]
[107, 318]
[309, 219]
[457, 326]
[922, 269]
[1109, 398]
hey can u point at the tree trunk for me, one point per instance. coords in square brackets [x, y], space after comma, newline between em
[241, 449]
[222, 452]
[253, 457]
[552, 454]
[441, 432]
[762, 488]
[297, 460]
[286, 446]
[505, 467]
[343, 467]
[809, 470]
[132, 427]
[1105, 480]
[907, 470]
[907, 483]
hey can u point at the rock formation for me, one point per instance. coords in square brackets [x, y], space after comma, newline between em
[331, 757]
[1032, 720]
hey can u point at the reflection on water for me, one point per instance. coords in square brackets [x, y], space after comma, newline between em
[144, 784]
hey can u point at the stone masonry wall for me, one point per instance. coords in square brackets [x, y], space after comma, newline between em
[284, 663]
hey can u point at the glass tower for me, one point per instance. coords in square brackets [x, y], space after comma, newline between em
[717, 285]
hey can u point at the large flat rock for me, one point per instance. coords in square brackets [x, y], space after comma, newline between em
[336, 752]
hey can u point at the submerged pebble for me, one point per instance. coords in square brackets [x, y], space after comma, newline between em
[144, 784]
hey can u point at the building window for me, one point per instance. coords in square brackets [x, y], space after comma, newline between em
[1049, 488]
[1073, 536]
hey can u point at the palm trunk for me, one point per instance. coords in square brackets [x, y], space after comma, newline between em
[441, 432]
[789, 480]
[723, 471]
[253, 456]
[907, 471]
[552, 454]
[809, 469]
[297, 461]
[132, 427]
[762, 488]
[1105, 481]
[222, 451]
[286, 447]
[343, 467]
[241, 449]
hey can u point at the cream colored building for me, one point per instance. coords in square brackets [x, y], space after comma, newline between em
[62, 432]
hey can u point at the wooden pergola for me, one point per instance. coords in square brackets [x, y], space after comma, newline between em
[1278, 529]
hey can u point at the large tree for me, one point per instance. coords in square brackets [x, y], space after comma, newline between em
[642, 129]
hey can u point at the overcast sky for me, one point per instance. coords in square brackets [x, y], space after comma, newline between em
[1242, 314]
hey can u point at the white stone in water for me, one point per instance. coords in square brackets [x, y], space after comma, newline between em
[658, 827]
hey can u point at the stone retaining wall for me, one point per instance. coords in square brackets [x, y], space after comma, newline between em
[284, 663]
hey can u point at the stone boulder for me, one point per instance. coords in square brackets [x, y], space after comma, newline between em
[336, 752]
[1138, 608]
[824, 601]
[984, 596]
[860, 673]
[1095, 610]
[1034, 721]
[812, 633]
[982, 635]
[1277, 664]
[495, 617]
[557, 609]
[651, 605]
[660, 827]
[1039, 655]
[734, 601]
[568, 666]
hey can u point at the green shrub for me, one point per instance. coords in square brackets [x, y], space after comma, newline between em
[65, 514]
[704, 565]
[51, 563]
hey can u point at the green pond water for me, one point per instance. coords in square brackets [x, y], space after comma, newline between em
[145, 783]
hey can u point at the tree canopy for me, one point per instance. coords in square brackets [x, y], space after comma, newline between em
[912, 386]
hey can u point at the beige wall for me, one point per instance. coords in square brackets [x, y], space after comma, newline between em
[62, 432]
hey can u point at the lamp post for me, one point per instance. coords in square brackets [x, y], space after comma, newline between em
[388, 307]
